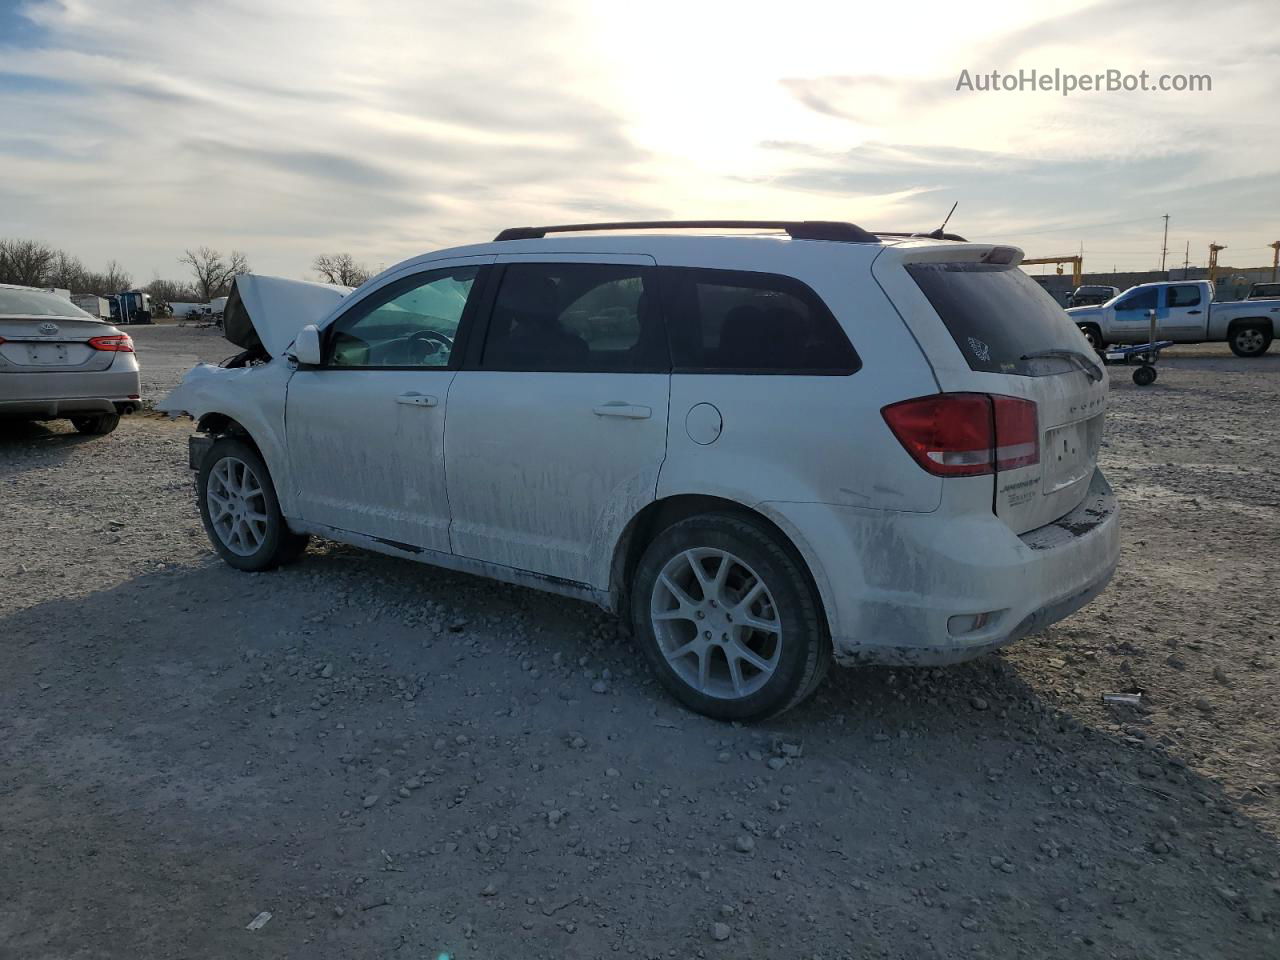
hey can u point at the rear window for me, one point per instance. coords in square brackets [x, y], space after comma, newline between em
[997, 315]
[37, 303]
[736, 321]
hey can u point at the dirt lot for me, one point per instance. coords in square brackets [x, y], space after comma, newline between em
[399, 762]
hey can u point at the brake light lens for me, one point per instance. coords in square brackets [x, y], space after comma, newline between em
[116, 342]
[966, 434]
[1017, 432]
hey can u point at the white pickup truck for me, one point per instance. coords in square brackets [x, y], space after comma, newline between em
[1185, 313]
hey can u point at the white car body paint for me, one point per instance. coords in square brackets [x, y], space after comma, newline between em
[539, 487]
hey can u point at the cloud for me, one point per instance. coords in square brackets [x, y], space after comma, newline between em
[130, 129]
[312, 124]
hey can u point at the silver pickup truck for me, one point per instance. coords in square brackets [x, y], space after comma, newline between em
[1185, 313]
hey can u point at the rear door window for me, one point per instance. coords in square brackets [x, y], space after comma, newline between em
[1187, 295]
[734, 321]
[997, 315]
[576, 317]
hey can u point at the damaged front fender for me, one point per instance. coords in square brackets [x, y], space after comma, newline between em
[253, 397]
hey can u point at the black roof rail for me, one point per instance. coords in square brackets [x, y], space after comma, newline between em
[933, 235]
[796, 229]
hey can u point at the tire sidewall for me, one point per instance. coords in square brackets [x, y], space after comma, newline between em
[268, 554]
[1266, 342]
[96, 425]
[802, 623]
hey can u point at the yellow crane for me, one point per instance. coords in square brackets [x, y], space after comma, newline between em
[1077, 265]
[1213, 260]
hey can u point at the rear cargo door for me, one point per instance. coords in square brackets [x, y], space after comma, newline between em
[987, 327]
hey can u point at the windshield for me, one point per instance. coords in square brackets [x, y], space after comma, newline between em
[998, 316]
[37, 303]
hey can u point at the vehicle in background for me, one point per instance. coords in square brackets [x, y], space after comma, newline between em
[57, 361]
[1264, 291]
[131, 306]
[1184, 313]
[647, 421]
[93, 305]
[1089, 294]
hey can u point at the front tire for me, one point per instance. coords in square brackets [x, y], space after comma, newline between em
[98, 425]
[729, 619]
[240, 511]
[1250, 341]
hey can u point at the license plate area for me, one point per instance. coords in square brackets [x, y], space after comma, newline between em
[1070, 452]
[47, 354]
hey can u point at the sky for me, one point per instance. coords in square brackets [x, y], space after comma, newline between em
[132, 129]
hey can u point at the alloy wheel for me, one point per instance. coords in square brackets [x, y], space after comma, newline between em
[716, 623]
[237, 506]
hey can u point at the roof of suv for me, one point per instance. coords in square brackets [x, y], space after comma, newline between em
[682, 238]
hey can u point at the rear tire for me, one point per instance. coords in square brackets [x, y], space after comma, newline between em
[1249, 341]
[729, 619]
[240, 511]
[1093, 333]
[98, 425]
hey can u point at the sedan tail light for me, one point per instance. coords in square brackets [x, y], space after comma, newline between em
[966, 434]
[117, 342]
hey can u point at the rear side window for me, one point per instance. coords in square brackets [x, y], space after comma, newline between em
[584, 317]
[1184, 296]
[997, 315]
[734, 321]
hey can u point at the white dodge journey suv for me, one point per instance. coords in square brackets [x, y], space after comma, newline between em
[767, 448]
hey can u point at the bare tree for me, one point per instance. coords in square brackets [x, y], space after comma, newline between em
[69, 273]
[171, 291]
[340, 268]
[28, 263]
[116, 278]
[212, 272]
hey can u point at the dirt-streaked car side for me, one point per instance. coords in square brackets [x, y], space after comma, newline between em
[767, 451]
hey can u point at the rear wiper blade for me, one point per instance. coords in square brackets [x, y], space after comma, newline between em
[1087, 366]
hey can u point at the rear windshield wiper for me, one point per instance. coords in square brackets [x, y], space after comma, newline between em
[1087, 366]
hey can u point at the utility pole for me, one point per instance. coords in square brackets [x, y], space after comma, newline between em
[1213, 260]
[1186, 261]
[1275, 258]
[1164, 246]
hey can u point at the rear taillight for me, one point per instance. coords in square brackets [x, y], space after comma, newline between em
[1017, 432]
[117, 342]
[966, 434]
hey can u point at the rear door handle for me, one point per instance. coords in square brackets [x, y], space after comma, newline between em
[417, 400]
[628, 411]
[1193, 311]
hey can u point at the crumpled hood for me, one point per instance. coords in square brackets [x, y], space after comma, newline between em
[269, 311]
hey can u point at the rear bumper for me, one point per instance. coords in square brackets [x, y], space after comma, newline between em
[902, 589]
[51, 395]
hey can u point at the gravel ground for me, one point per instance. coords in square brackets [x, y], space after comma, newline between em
[396, 761]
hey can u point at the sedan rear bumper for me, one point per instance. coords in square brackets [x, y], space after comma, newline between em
[51, 395]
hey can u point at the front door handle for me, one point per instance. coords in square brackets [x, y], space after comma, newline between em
[417, 400]
[628, 411]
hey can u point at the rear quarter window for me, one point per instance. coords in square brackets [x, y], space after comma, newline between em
[738, 321]
[996, 314]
